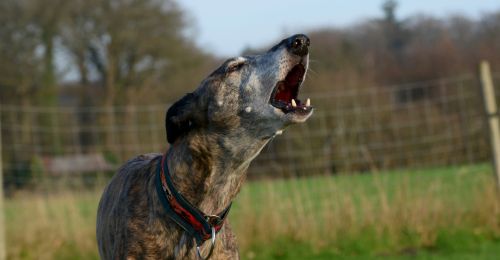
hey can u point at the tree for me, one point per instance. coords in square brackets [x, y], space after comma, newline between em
[20, 65]
[129, 47]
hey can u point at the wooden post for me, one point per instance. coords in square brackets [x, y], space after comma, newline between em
[3, 248]
[491, 110]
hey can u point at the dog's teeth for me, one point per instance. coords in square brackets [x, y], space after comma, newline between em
[308, 102]
[293, 103]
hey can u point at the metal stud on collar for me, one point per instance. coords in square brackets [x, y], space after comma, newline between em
[212, 246]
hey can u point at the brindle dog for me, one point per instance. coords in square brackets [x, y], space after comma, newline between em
[214, 134]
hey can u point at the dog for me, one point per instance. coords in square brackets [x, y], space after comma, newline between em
[154, 207]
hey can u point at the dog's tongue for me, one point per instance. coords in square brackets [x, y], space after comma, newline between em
[284, 93]
[289, 88]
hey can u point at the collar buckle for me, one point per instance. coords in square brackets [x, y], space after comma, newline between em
[213, 220]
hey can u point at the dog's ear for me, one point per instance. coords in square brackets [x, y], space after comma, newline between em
[180, 117]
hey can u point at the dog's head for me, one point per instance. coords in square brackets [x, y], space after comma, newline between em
[255, 95]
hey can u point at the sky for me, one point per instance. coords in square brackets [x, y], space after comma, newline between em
[226, 27]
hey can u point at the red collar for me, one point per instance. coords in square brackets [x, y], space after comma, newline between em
[198, 224]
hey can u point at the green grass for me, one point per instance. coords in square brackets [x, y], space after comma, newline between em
[283, 249]
[424, 213]
[442, 213]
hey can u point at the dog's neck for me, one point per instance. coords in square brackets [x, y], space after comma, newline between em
[209, 169]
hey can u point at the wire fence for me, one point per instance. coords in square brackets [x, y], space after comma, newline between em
[424, 124]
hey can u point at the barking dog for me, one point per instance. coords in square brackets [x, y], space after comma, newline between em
[154, 207]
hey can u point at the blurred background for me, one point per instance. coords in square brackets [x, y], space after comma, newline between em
[396, 161]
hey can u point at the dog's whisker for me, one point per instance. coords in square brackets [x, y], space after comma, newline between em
[313, 72]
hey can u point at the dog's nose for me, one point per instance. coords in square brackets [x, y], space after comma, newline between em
[299, 44]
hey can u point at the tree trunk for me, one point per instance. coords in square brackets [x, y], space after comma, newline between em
[48, 93]
[109, 120]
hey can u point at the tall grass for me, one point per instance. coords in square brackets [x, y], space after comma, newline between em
[450, 209]
[55, 226]
[374, 215]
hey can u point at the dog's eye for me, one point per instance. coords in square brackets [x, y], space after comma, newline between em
[235, 66]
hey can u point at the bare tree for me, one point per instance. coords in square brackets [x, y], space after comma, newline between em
[128, 46]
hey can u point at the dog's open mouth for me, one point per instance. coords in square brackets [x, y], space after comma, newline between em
[285, 93]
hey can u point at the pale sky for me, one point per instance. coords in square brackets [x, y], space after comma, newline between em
[226, 27]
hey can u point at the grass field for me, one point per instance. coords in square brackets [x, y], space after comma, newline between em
[444, 213]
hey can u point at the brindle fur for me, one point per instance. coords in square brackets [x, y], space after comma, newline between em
[215, 133]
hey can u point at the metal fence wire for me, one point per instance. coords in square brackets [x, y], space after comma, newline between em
[424, 124]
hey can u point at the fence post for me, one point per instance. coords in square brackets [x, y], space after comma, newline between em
[3, 248]
[491, 110]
